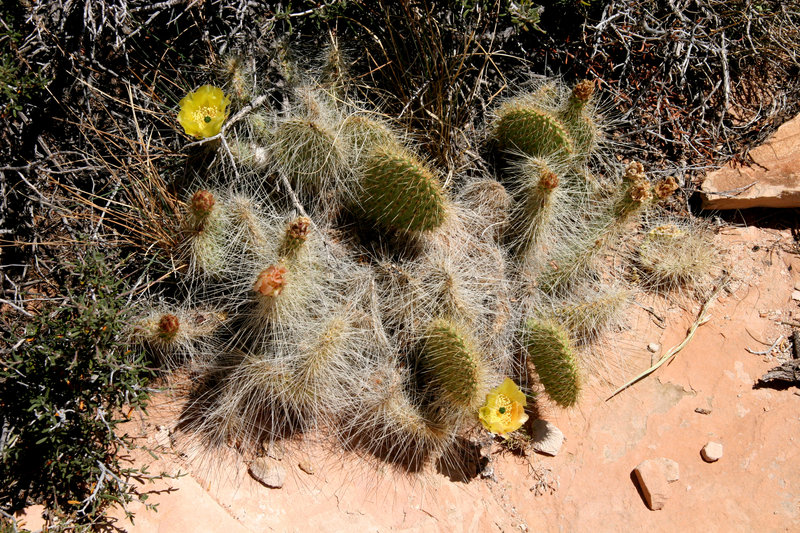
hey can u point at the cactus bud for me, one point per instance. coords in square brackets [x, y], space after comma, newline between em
[634, 171]
[583, 90]
[639, 191]
[639, 187]
[168, 327]
[548, 180]
[202, 203]
[296, 234]
[271, 281]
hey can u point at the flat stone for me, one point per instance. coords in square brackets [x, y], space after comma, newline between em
[654, 477]
[796, 295]
[547, 438]
[711, 452]
[268, 472]
[773, 180]
[32, 517]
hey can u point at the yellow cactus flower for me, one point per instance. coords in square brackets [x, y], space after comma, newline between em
[504, 410]
[203, 111]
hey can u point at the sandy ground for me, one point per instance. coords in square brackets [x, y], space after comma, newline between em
[588, 486]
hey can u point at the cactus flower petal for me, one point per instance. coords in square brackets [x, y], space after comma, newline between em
[504, 410]
[203, 111]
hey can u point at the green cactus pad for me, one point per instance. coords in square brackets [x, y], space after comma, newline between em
[366, 132]
[551, 353]
[452, 365]
[308, 152]
[531, 131]
[399, 192]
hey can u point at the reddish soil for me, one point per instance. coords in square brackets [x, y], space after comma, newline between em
[588, 486]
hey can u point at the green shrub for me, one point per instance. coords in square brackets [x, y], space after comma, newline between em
[19, 84]
[64, 380]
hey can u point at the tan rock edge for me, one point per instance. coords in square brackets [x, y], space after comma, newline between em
[772, 181]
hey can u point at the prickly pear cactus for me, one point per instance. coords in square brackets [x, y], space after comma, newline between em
[400, 192]
[354, 291]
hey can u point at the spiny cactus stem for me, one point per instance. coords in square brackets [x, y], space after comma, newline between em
[532, 131]
[400, 192]
[550, 350]
[452, 363]
[581, 94]
[331, 250]
[295, 236]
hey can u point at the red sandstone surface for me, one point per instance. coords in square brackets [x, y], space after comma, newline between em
[588, 486]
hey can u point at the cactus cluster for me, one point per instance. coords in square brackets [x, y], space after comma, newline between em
[357, 292]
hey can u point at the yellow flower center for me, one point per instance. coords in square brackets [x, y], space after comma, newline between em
[503, 404]
[205, 114]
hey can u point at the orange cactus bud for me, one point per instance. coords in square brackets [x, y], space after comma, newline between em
[271, 281]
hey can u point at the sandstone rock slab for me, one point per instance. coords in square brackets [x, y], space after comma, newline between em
[772, 181]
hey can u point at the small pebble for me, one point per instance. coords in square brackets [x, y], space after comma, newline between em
[653, 347]
[796, 295]
[307, 467]
[711, 452]
[702, 411]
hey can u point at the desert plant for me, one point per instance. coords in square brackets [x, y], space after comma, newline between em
[452, 366]
[400, 191]
[552, 354]
[67, 378]
[367, 296]
[675, 254]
